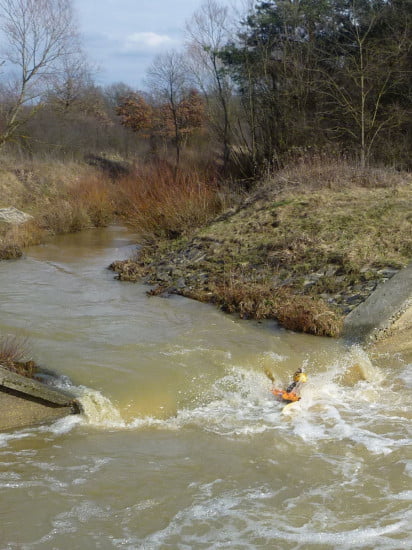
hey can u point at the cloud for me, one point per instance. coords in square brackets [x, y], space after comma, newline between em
[146, 40]
[123, 36]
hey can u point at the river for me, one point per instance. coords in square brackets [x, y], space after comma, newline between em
[182, 445]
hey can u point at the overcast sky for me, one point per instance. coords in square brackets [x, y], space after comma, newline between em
[121, 37]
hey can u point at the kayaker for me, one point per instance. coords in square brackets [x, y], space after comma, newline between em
[292, 392]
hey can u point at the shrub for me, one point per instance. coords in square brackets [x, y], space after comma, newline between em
[21, 235]
[307, 314]
[92, 196]
[10, 252]
[85, 203]
[158, 202]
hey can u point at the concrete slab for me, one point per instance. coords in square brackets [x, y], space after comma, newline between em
[18, 412]
[13, 216]
[399, 342]
[386, 311]
[26, 402]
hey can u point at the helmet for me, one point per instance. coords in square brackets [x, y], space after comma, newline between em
[300, 376]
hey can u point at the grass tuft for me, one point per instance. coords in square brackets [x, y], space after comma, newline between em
[308, 314]
[14, 355]
[10, 252]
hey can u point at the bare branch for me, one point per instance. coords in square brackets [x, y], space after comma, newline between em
[37, 35]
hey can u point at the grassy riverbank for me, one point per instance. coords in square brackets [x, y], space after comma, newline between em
[306, 246]
[59, 197]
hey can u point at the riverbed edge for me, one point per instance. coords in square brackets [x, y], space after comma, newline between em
[255, 259]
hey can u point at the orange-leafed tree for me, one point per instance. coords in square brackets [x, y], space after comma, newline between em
[182, 119]
[191, 112]
[169, 121]
[135, 113]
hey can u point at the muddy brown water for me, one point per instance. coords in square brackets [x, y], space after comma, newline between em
[182, 445]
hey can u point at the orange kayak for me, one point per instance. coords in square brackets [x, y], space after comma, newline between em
[285, 396]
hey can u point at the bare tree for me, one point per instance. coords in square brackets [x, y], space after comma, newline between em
[208, 32]
[115, 92]
[167, 78]
[38, 38]
[68, 86]
[364, 72]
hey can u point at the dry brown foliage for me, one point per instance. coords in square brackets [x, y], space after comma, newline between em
[159, 203]
[22, 235]
[294, 312]
[62, 198]
[135, 113]
[86, 203]
[138, 115]
[94, 195]
[10, 252]
[308, 314]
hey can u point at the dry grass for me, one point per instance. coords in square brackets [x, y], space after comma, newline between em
[351, 230]
[20, 236]
[10, 252]
[61, 197]
[298, 224]
[318, 172]
[94, 196]
[68, 197]
[263, 301]
[30, 185]
[14, 355]
[308, 314]
[310, 241]
[158, 203]
[85, 203]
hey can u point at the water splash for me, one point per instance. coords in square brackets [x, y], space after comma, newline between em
[338, 402]
[98, 410]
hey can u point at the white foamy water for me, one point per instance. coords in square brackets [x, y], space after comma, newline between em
[327, 453]
[240, 402]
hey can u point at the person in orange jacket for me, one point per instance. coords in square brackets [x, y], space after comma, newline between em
[292, 392]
